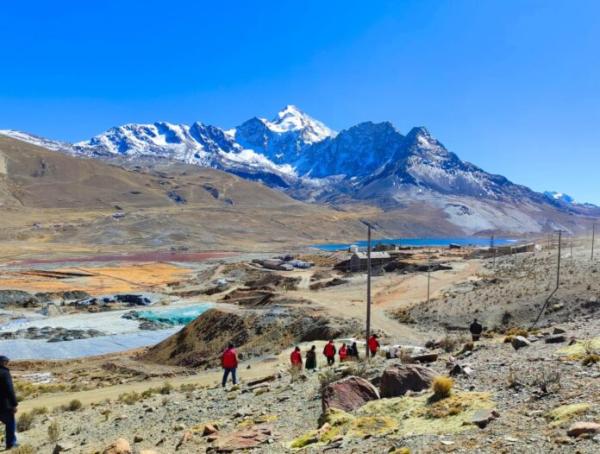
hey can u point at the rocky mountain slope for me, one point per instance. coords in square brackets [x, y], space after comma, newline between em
[370, 163]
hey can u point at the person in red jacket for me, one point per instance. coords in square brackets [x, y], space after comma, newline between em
[373, 344]
[296, 358]
[229, 361]
[343, 353]
[329, 351]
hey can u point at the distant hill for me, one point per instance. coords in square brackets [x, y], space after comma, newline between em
[52, 196]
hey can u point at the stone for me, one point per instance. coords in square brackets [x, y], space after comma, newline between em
[120, 446]
[262, 380]
[555, 339]
[138, 439]
[519, 342]
[185, 438]
[244, 439]
[148, 451]
[482, 418]
[209, 429]
[558, 330]
[583, 427]
[426, 358]
[63, 446]
[461, 370]
[400, 378]
[348, 394]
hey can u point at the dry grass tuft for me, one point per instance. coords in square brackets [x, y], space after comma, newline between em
[442, 387]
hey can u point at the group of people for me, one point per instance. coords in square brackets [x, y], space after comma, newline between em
[229, 358]
[345, 353]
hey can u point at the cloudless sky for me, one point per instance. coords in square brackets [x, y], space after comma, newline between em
[510, 85]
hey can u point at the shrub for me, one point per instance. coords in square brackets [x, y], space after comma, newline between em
[166, 388]
[590, 359]
[295, 373]
[53, 431]
[74, 405]
[39, 411]
[130, 398]
[24, 422]
[327, 377]
[442, 386]
[23, 449]
[515, 331]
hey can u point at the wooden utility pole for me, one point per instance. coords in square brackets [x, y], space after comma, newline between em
[368, 331]
[558, 267]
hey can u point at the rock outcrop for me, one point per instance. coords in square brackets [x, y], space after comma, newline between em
[348, 394]
[400, 378]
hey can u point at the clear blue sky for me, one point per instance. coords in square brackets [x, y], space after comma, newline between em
[512, 86]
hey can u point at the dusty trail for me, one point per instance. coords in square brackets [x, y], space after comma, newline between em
[389, 292]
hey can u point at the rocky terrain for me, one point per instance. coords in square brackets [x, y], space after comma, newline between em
[520, 389]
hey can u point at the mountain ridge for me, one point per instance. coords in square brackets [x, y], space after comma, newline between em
[371, 163]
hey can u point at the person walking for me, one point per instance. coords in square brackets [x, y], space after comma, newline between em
[8, 404]
[353, 351]
[373, 345]
[476, 330]
[229, 361]
[329, 351]
[343, 353]
[296, 358]
[311, 358]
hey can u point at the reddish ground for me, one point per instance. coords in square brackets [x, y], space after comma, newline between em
[136, 257]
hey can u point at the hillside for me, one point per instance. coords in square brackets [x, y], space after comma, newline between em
[52, 198]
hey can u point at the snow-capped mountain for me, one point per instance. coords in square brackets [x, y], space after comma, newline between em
[559, 196]
[284, 138]
[371, 163]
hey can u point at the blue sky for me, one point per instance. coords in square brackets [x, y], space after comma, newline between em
[512, 86]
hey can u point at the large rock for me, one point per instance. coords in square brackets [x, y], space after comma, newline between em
[519, 342]
[120, 446]
[348, 394]
[400, 378]
[244, 439]
[584, 427]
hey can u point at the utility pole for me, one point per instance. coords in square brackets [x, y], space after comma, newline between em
[557, 283]
[593, 238]
[494, 251]
[428, 278]
[558, 267]
[368, 331]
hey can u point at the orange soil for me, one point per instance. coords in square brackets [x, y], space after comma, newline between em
[116, 279]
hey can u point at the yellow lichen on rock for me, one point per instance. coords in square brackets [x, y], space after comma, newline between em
[417, 415]
[372, 426]
[580, 349]
[564, 413]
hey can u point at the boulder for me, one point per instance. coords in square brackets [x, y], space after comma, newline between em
[400, 378]
[426, 358]
[555, 339]
[457, 369]
[482, 418]
[519, 342]
[583, 427]
[120, 446]
[348, 394]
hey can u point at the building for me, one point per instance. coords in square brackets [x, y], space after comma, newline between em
[358, 261]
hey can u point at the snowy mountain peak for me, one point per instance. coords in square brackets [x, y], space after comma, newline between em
[292, 119]
[559, 196]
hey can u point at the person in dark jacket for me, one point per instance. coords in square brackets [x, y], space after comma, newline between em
[476, 330]
[311, 358]
[353, 351]
[8, 403]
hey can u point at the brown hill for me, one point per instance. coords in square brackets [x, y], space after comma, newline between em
[254, 333]
[51, 198]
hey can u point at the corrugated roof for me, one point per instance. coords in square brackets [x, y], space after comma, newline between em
[374, 255]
